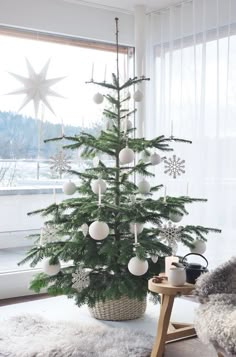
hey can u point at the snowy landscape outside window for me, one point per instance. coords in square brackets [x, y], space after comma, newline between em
[31, 171]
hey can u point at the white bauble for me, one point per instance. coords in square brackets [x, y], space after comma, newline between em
[95, 186]
[138, 225]
[175, 217]
[144, 187]
[199, 247]
[69, 188]
[126, 156]
[129, 125]
[138, 95]
[155, 159]
[98, 98]
[137, 267]
[95, 161]
[154, 258]
[51, 269]
[98, 230]
[145, 157]
[84, 229]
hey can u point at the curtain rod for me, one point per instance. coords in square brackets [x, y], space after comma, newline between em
[179, 4]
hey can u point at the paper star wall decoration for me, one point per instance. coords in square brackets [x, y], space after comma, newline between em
[36, 87]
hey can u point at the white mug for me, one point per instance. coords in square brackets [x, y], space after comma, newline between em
[177, 276]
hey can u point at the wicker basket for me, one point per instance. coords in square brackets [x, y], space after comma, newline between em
[119, 310]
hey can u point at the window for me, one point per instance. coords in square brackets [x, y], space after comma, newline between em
[31, 172]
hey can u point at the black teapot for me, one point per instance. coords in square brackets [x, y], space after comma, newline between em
[194, 270]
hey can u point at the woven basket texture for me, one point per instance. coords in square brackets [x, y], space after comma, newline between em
[119, 310]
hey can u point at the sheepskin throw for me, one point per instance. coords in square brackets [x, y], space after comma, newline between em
[33, 336]
[216, 317]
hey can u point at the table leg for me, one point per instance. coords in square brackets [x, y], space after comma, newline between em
[162, 327]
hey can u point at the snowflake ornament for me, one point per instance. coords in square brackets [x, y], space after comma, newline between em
[49, 234]
[171, 234]
[60, 163]
[80, 279]
[174, 166]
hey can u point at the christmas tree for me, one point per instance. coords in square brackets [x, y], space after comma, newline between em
[114, 233]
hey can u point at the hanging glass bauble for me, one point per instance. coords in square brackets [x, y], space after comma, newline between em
[199, 247]
[175, 217]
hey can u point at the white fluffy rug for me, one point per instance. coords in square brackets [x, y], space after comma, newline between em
[33, 336]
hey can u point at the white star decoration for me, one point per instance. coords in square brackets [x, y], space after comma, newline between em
[36, 87]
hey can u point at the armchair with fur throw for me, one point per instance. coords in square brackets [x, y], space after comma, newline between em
[216, 317]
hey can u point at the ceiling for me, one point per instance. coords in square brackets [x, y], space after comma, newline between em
[127, 5]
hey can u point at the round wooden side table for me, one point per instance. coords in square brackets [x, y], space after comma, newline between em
[166, 331]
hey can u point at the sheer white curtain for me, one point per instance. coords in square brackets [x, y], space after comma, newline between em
[192, 65]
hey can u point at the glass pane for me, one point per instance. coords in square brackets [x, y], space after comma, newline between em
[32, 172]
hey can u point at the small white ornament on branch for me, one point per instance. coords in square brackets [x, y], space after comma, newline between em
[137, 266]
[144, 187]
[98, 98]
[139, 227]
[69, 188]
[155, 159]
[138, 96]
[98, 230]
[175, 217]
[98, 183]
[199, 247]
[84, 229]
[126, 156]
[51, 269]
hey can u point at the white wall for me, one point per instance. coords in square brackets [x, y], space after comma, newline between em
[60, 17]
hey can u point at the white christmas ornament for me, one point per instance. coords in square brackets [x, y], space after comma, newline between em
[98, 230]
[175, 217]
[36, 87]
[84, 229]
[95, 186]
[199, 247]
[154, 258]
[51, 269]
[98, 98]
[139, 227]
[155, 159]
[145, 157]
[144, 187]
[69, 188]
[126, 124]
[126, 156]
[137, 266]
[138, 95]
